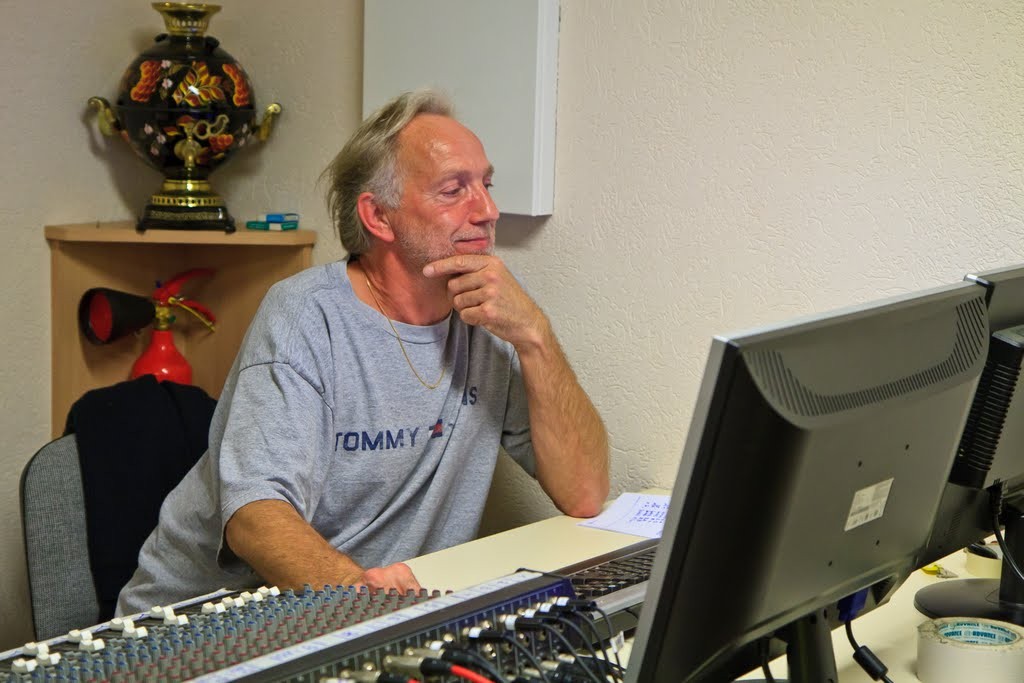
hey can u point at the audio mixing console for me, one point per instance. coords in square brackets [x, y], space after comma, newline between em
[306, 636]
[523, 627]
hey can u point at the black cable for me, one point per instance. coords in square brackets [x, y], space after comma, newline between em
[849, 636]
[588, 646]
[571, 650]
[554, 575]
[529, 655]
[608, 623]
[997, 507]
[618, 671]
[765, 647]
[595, 636]
[478, 660]
[1006, 553]
[867, 659]
[578, 608]
[583, 638]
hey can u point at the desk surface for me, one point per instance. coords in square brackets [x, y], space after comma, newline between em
[890, 631]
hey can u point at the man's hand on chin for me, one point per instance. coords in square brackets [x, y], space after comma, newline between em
[485, 293]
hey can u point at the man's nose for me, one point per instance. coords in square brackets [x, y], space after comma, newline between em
[484, 209]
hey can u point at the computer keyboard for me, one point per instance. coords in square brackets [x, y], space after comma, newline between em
[616, 581]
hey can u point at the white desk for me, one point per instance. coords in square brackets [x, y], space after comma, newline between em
[890, 631]
[547, 545]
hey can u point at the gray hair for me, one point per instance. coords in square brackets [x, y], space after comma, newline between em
[368, 163]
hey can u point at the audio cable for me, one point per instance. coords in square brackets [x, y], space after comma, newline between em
[592, 625]
[555, 611]
[431, 666]
[581, 607]
[456, 655]
[476, 633]
[548, 612]
[523, 623]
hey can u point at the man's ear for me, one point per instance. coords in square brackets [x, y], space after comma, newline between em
[374, 217]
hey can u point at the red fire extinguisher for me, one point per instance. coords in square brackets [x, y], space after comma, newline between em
[107, 314]
[161, 357]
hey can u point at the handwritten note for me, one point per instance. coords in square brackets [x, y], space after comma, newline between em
[640, 514]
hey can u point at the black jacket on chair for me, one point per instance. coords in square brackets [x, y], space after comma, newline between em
[136, 441]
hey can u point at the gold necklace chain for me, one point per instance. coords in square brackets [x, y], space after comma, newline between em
[401, 345]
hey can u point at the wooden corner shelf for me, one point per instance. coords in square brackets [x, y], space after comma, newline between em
[115, 255]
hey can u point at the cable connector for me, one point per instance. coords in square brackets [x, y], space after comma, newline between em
[871, 664]
[366, 677]
[485, 634]
[574, 603]
[851, 605]
[412, 665]
[519, 623]
[867, 659]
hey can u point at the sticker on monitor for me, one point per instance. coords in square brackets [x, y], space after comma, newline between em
[868, 504]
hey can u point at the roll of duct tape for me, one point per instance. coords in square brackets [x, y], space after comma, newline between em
[958, 649]
[982, 567]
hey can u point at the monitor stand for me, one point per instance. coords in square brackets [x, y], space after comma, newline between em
[1001, 599]
[809, 653]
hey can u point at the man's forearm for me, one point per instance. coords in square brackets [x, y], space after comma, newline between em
[285, 550]
[569, 439]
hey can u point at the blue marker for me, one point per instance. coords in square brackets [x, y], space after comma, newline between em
[279, 217]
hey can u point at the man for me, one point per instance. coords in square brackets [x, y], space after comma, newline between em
[361, 421]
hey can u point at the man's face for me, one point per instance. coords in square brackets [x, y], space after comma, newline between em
[446, 206]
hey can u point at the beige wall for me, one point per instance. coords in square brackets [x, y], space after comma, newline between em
[719, 165]
[55, 54]
[723, 165]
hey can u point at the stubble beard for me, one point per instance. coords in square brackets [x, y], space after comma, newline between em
[418, 253]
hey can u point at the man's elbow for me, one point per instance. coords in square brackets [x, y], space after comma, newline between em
[588, 501]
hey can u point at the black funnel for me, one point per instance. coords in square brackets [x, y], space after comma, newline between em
[107, 314]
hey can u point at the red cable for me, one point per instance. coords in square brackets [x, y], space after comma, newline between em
[465, 673]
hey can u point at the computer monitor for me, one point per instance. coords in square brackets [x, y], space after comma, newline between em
[812, 470]
[989, 466]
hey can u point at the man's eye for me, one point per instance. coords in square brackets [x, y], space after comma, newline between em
[488, 184]
[451, 192]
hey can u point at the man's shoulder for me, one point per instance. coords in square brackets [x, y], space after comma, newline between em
[308, 290]
[296, 308]
[321, 277]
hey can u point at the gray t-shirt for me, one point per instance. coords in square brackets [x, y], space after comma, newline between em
[322, 410]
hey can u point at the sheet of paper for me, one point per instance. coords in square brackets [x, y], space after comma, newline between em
[640, 514]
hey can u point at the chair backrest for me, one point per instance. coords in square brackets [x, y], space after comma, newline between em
[56, 546]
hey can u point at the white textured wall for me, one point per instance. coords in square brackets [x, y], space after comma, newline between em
[54, 55]
[718, 165]
[726, 164]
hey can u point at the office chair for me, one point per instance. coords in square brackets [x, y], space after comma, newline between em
[53, 521]
[90, 498]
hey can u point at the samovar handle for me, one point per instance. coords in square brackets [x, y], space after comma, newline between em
[267, 124]
[106, 120]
